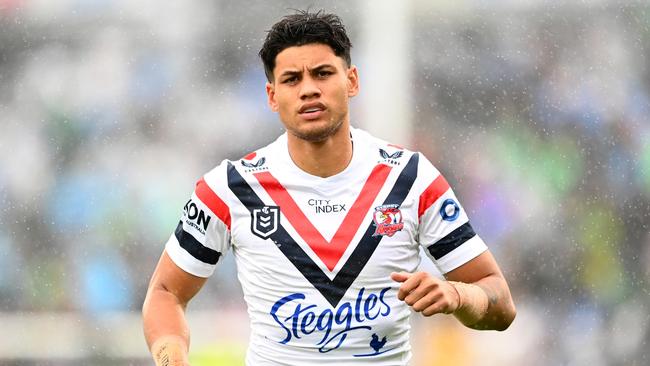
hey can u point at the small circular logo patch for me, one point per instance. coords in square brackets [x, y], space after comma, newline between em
[449, 210]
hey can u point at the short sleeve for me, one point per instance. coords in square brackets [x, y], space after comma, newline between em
[203, 232]
[444, 228]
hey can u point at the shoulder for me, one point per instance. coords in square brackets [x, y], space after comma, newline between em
[383, 150]
[390, 153]
[254, 161]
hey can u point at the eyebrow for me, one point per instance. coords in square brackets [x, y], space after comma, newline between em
[315, 69]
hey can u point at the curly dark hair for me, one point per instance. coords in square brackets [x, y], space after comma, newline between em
[304, 28]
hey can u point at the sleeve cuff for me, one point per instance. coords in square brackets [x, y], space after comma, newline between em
[185, 261]
[461, 255]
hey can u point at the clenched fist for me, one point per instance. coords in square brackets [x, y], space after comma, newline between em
[427, 294]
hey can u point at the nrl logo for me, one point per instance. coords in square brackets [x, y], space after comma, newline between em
[265, 221]
[388, 219]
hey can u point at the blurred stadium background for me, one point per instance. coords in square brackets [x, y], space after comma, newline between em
[538, 112]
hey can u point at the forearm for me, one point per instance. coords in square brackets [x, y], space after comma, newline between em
[165, 328]
[485, 304]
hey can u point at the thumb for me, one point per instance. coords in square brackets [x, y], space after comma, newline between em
[400, 276]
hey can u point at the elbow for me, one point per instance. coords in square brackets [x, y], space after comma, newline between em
[146, 304]
[506, 319]
[506, 314]
[498, 319]
[145, 307]
[151, 300]
[147, 315]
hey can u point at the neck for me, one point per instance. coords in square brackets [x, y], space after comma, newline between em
[323, 158]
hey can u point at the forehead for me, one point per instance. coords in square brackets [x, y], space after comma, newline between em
[305, 56]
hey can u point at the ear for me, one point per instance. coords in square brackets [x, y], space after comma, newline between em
[270, 93]
[353, 81]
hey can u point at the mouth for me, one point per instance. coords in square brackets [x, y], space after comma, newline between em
[311, 110]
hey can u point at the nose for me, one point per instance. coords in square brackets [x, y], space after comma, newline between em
[309, 89]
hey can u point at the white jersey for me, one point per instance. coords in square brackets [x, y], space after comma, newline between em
[314, 255]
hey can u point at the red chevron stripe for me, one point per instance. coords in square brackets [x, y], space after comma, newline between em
[329, 252]
[214, 203]
[430, 195]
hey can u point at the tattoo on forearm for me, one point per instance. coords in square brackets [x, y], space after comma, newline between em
[163, 356]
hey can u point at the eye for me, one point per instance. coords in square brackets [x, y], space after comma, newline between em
[323, 73]
[290, 80]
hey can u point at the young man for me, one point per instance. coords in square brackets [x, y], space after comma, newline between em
[325, 224]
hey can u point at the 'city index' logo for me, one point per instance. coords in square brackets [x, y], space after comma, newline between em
[196, 217]
[332, 325]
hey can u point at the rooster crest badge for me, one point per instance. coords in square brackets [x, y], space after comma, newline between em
[388, 220]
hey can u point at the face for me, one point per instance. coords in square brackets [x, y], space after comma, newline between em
[311, 91]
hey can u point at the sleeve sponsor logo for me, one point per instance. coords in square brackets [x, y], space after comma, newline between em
[332, 325]
[449, 210]
[196, 217]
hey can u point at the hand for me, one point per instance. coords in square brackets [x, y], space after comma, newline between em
[426, 294]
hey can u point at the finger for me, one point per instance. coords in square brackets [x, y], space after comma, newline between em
[427, 291]
[432, 309]
[442, 304]
[424, 302]
[409, 285]
[400, 276]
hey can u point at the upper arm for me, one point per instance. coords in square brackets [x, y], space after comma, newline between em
[482, 266]
[201, 237]
[444, 229]
[171, 278]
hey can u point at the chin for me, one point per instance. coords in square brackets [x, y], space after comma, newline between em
[317, 133]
